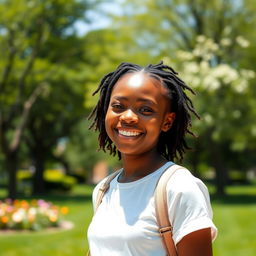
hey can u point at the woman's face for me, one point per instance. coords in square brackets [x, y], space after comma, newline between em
[138, 112]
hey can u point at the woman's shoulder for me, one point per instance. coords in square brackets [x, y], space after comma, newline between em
[183, 181]
[112, 176]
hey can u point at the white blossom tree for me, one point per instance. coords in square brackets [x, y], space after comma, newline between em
[224, 99]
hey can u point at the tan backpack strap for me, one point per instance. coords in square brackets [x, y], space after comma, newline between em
[104, 188]
[165, 227]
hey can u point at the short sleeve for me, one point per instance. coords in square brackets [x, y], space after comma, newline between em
[188, 205]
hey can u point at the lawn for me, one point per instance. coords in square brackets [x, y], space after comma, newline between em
[234, 216]
[62, 243]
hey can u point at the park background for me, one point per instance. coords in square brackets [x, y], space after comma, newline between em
[53, 54]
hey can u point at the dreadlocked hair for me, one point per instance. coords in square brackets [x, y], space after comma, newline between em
[172, 143]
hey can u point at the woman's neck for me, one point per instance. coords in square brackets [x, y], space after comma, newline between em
[137, 167]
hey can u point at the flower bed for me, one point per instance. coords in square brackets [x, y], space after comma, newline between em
[34, 215]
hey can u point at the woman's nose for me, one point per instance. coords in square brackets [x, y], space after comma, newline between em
[129, 116]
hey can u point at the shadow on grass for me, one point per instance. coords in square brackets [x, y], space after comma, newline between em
[241, 199]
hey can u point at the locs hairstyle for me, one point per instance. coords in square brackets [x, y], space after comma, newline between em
[172, 143]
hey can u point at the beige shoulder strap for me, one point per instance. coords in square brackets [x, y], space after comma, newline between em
[165, 227]
[104, 188]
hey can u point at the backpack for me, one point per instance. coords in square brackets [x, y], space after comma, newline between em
[165, 227]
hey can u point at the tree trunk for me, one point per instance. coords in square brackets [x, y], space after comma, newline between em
[195, 158]
[38, 180]
[220, 181]
[220, 170]
[11, 163]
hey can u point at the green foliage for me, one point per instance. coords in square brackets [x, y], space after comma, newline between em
[54, 180]
[104, 50]
[38, 89]
[168, 28]
[40, 50]
[82, 150]
[223, 90]
[165, 26]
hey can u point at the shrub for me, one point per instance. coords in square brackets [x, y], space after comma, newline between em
[54, 179]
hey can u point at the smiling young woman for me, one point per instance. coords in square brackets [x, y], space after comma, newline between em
[143, 114]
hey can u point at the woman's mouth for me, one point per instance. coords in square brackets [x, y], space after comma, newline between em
[128, 133]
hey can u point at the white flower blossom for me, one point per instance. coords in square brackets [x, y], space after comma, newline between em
[226, 73]
[241, 86]
[198, 52]
[225, 42]
[201, 39]
[191, 67]
[210, 75]
[32, 211]
[19, 216]
[204, 66]
[210, 83]
[242, 42]
[185, 56]
[196, 82]
[247, 73]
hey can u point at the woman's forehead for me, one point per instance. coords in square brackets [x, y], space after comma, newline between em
[138, 78]
[140, 82]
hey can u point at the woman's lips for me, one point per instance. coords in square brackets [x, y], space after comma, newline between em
[128, 133]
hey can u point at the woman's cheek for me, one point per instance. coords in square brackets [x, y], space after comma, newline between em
[108, 125]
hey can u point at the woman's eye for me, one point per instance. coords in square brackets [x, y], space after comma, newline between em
[117, 106]
[146, 110]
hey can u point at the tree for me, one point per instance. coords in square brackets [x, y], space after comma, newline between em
[167, 26]
[25, 29]
[224, 97]
[53, 118]
[81, 150]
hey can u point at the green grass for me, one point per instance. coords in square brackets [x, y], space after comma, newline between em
[62, 243]
[234, 215]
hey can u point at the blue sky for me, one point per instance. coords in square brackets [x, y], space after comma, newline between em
[98, 18]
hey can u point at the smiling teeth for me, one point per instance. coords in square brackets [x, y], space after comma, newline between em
[125, 133]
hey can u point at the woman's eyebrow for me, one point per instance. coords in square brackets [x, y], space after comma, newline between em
[151, 102]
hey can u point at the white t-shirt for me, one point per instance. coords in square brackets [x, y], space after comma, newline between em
[125, 222]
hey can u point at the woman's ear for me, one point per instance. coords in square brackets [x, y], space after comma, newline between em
[169, 119]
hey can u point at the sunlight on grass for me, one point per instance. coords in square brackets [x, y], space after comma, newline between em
[236, 226]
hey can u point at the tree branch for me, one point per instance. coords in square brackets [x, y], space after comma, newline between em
[198, 17]
[24, 117]
[31, 61]
[26, 71]
[3, 143]
[176, 24]
[10, 60]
